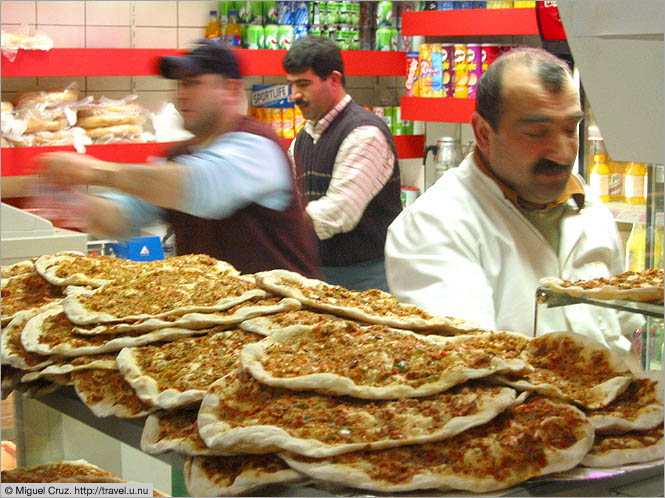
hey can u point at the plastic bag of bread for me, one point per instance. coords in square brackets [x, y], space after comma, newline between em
[68, 136]
[25, 38]
[105, 112]
[47, 119]
[43, 99]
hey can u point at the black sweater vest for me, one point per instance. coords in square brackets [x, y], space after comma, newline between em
[254, 238]
[314, 164]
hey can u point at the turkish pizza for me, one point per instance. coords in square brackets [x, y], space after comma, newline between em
[371, 362]
[26, 291]
[571, 367]
[639, 407]
[65, 366]
[13, 353]
[246, 310]
[236, 475]
[291, 320]
[537, 437]
[611, 450]
[176, 431]
[178, 373]
[107, 393]
[164, 293]
[59, 471]
[240, 414]
[370, 306]
[645, 285]
[26, 266]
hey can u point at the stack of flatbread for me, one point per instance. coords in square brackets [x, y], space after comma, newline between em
[273, 378]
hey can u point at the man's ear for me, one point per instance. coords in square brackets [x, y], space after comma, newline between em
[336, 76]
[482, 131]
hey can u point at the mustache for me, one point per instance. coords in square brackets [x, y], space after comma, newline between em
[301, 102]
[549, 166]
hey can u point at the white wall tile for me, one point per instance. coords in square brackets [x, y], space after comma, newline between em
[105, 13]
[187, 36]
[156, 14]
[17, 84]
[108, 37]
[195, 13]
[154, 83]
[59, 82]
[63, 13]
[13, 12]
[156, 37]
[154, 101]
[109, 83]
[65, 36]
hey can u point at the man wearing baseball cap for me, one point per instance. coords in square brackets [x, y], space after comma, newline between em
[227, 192]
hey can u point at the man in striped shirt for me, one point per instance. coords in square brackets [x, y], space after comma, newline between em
[346, 165]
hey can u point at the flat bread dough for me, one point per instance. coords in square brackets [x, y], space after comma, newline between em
[613, 450]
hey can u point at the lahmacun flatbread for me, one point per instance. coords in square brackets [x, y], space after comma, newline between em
[645, 285]
[236, 475]
[69, 365]
[370, 306]
[176, 431]
[26, 291]
[178, 373]
[51, 333]
[291, 320]
[612, 450]
[165, 293]
[13, 352]
[639, 407]
[371, 362]
[107, 393]
[59, 471]
[537, 437]
[240, 414]
[26, 266]
[230, 317]
[571, 367]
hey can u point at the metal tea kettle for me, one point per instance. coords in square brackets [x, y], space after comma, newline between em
[447, 154]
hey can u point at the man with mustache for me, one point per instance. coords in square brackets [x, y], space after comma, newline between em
[346, 165]
[477, 242]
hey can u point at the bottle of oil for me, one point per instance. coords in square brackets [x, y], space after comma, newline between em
[214, 30]
[636, 174]
[599, 177]
[616, 183]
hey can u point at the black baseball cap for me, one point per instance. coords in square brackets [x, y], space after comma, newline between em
[207, 57]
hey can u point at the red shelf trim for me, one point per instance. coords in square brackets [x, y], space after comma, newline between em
[144, 61]
[470, 22]
[449, 110]
[17, 161]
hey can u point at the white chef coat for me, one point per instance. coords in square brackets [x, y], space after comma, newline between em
[464, 250]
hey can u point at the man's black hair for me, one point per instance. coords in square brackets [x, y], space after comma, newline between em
[320, 54]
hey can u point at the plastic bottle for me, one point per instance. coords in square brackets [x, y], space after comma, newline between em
[658, 248]
[616, 181]
[233, 32]
[635, 183]
[213, 31]
[599, 178]
[636, 248]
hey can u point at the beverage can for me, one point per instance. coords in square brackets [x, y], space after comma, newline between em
[223, 10]
[445, 5]
[255, 36]
[488, 53]
[355, 13]
[354, 37]
[411, 74]
[316, 30]
[408, 195]
[300, 31]
[474, 67]
[301, 13]
[407, 127]
[447, 69]
[437, 70]
[249, 12]
[425, 71]
[389, 117]
[271, 36]
[317, 13]
[331, 12]
[344, 12]
[379, 111]
[466, 5]
[285, 35]
[288, 123]
[270, 12]
[285, 14]
[394, 39]
[383, 39]
[461, 72]
[384, 14]
[397, 121]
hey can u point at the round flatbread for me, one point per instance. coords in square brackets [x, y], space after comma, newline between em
[612, 450]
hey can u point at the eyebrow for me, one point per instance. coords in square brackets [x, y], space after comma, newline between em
[541, 118]
[299, 81]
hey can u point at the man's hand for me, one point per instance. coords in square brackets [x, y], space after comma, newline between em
[66, 169]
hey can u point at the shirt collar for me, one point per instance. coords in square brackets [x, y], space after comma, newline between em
[315, 129]
[573, 190]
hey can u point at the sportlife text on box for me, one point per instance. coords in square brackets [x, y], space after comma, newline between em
[270, 95]
[75, 490]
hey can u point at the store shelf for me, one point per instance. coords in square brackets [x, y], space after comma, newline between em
[449, 110]
[470, 22]
[144, 61]
[18, 161]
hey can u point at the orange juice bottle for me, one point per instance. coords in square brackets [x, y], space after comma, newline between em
[617, 172]
[233, 31]
[599, 178]
[636, 174]
[214, 30]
